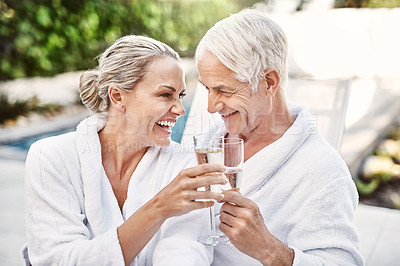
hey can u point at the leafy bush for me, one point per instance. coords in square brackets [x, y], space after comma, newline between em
[46, 37]
[367, 3]
[382, 166]
[12, 109]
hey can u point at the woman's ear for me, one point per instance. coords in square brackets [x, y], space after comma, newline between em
[116, 97]
[272, 81]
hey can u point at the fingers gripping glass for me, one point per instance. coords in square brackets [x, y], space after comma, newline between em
[210, 149]
[230, 152]
[233, 160]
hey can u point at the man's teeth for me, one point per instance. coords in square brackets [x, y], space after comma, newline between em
[165, 123]
[234, 112]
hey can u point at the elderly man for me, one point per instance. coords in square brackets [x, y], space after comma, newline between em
[297, 199]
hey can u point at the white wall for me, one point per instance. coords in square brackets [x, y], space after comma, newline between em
[363, 44]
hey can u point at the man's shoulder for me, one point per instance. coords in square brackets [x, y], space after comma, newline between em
[320, 160]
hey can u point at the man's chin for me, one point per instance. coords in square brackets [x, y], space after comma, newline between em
[231, 129]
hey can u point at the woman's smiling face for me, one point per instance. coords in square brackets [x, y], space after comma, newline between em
[154, 104]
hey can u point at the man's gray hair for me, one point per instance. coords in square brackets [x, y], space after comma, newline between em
[248, 43]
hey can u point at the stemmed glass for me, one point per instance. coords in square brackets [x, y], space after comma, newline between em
[209, 148]
[230, 152]
[233, 160]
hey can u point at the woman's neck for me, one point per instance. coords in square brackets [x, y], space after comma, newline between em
[120, 155]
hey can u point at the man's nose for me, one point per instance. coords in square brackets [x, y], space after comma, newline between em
[214, 101]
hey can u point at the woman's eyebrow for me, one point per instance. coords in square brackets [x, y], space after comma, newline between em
[169, 87]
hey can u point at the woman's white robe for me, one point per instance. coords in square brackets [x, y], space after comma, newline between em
[72, 214]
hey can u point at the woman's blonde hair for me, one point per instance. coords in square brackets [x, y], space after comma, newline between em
[124, 63]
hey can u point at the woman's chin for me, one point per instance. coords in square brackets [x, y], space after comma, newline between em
[162, 142]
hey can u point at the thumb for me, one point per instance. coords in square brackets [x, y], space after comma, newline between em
[227, 193]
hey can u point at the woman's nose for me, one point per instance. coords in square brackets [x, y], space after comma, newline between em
[178, 108]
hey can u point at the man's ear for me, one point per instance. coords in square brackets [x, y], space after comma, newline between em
[272, 81]
[116, 97]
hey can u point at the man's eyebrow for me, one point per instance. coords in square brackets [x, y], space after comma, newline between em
[169, 87]
[218, 88]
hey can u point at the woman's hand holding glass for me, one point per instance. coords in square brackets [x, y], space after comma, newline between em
[230, 151]
[209, 148]
[182, 196]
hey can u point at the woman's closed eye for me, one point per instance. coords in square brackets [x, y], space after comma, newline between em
[182, 95]
[166, 95]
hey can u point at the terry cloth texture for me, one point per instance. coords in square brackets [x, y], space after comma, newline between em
[72, 214]
[306, 196]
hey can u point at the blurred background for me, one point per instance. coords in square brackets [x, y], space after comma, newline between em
[343, 65]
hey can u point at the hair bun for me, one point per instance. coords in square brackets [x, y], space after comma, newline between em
[89, 91]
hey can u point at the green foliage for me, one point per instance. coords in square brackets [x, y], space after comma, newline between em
[53, 36]
[381, 3]
[367, 3]
[395, 199]
[367, 188]
[12, 109]
[382, 166]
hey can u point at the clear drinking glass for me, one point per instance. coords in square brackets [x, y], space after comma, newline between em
[209, 148]
[233, 160]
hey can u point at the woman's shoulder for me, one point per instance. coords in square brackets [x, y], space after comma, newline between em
[49, 158]
[54, 145]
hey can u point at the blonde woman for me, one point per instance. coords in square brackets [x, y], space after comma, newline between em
[113, 192]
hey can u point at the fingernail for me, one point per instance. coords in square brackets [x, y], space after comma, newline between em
[222, 196]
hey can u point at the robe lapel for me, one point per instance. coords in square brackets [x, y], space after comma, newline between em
[101, 206]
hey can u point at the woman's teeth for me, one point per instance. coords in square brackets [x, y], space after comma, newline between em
[234, 112]
[167, 124]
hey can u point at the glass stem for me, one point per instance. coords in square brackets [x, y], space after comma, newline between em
[212, 220]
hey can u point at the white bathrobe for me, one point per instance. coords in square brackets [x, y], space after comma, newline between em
[72, 214]
[306, 196]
